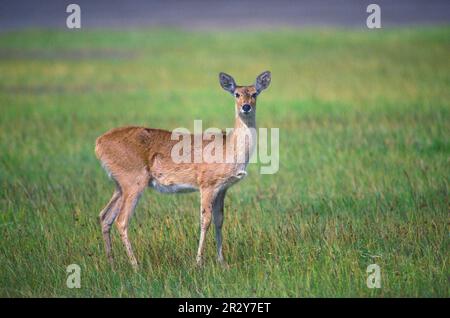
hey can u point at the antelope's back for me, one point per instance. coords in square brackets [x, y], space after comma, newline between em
[128, 149]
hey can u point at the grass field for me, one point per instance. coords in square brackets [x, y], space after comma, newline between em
[364, 120]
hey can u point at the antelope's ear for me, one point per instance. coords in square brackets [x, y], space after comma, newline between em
[263, 81]
[227, 82]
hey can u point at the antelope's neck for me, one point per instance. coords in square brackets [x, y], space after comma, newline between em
[243, 139]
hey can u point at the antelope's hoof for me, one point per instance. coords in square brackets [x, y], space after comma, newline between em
[199, 263]
[224, 265]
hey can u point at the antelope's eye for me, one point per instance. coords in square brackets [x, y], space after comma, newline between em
[237, 95]
[254, 95]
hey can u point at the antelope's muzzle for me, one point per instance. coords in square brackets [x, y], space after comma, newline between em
[246, 108]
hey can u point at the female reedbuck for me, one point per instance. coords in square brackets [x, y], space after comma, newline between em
[138, 157]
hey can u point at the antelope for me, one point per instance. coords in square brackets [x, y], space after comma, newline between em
[137, 157]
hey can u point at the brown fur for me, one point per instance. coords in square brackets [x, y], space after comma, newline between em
[137, 157]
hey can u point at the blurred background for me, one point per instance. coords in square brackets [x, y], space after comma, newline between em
[364, 122]
[234, 14]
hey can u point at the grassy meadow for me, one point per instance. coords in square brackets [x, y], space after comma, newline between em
[364, 119]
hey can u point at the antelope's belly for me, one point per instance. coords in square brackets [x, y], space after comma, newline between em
[172, 187]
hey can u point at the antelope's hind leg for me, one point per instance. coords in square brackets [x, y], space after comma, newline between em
[131, 196]
[106, 218]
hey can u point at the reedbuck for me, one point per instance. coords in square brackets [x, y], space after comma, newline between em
[138, 157]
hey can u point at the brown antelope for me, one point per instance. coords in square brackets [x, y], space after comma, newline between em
[138, 157]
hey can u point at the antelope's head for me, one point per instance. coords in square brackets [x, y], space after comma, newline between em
[245, 96]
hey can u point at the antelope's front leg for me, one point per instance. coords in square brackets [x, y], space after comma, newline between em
[218, 221]
[206, 206]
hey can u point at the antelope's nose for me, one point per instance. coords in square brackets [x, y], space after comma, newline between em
[246, 108]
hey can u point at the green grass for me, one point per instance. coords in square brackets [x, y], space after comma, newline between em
[364, 122]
